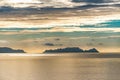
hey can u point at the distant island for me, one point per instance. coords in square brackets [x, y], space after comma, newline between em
[10, 50]
[71, 50]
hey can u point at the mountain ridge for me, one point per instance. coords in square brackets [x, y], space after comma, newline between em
[71, 50]
[10, 50]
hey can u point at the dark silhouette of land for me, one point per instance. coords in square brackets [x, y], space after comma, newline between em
[10, 50]
[71, 50]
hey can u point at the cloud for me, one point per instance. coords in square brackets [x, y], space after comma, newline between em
[54, 3]
[49, 44]
[101, 44]
[89, 1]
[36, 21]
[3, 41]
[57, 29]
[90, 44]
[57, 39]
[66, 13]
[97, 1]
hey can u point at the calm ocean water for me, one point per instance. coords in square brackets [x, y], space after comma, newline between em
[60, 67]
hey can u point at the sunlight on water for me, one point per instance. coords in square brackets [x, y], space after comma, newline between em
[66, 67]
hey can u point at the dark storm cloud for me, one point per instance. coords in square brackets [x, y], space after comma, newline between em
[6, 8]
[98, 3]
[95, 1]
[50, 6]
[89, 1]
[10, 8]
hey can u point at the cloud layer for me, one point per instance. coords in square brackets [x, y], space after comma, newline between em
[44, 13]
[56, 3]
[47, 24]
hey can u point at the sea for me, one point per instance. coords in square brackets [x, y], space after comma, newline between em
[104, 66]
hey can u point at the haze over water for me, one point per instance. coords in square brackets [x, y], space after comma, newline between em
[64, 67]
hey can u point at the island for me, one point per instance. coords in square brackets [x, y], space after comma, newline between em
[10, 50]
[72, 50]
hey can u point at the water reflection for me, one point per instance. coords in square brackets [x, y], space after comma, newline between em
[60, 68]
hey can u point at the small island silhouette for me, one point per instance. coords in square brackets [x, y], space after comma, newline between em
[10, 50]
[71, 50]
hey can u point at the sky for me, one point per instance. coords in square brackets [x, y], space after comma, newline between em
[38, 25]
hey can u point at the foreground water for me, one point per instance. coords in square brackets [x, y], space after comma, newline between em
[59, 68]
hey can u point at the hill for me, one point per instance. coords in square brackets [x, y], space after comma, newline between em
[10, 50]
[72, 50]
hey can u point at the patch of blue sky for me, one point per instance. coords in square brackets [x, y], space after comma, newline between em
[108, 24]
